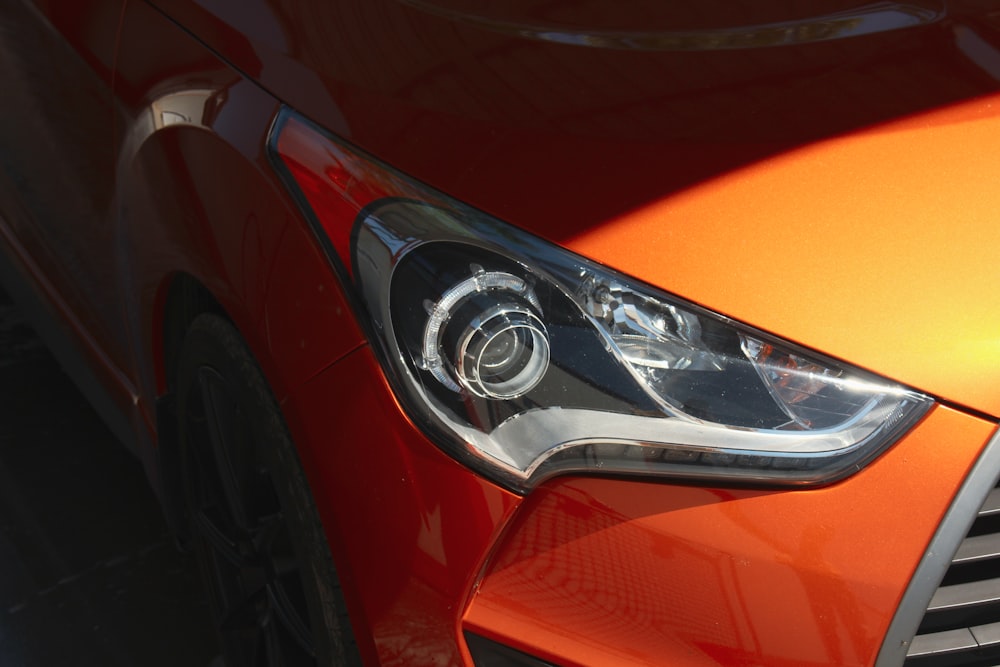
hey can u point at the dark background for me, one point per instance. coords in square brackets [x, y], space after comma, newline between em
[89, 574]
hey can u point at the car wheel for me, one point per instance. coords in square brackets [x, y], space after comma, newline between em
[256, 532]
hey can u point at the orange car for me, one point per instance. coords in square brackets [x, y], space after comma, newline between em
[457, 332]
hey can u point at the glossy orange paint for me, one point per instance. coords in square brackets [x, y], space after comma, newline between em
[764, 577]
[561, 136]
[878, 247]
[837, 192]
[417, 528]
[612, 572]
[723, 175]
[335, 181]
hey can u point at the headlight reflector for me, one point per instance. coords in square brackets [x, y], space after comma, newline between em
[500, 348]
[524, 360]
[528, 361]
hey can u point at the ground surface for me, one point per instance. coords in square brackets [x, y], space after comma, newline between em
[88, 572]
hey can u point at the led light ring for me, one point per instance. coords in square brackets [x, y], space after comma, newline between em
[484, 330]
[523, 346]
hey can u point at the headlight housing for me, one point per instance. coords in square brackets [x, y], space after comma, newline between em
[525, 360]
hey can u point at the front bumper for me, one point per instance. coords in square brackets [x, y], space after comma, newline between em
[592, 571]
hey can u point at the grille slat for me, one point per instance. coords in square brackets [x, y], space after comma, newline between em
[992, 504]
[987, 635]
[965, 596]
[981, 547]
[940, 643]
[962, 624]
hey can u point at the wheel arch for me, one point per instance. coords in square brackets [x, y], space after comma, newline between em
[235, 246]
[184, 299]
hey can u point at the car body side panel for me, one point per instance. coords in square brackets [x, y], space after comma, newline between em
[199, 197]
[414, 537]
[607, 572]
[56, 183]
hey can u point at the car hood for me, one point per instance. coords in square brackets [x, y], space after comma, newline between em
[822, 170]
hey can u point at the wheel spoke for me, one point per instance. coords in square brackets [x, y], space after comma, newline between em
[245, 615]
[221, 420]
[272, 540]
[242, 624]
[283, 566]
[240, 528]
[290, 616]
[267, 531]
[272, 543]
[219, 542]
[273, 645]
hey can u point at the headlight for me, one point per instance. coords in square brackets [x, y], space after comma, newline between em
[525, 361]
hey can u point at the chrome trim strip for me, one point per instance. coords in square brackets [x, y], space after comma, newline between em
[878, 17]
[953, 529]
[992, 504]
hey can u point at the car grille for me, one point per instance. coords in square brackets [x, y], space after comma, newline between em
[962, 623]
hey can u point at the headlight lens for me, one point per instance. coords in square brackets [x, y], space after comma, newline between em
[525, 360]
[535, 361]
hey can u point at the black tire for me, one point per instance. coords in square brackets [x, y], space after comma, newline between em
[256, 532]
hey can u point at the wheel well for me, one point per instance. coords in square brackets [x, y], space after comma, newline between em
[186, 299]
